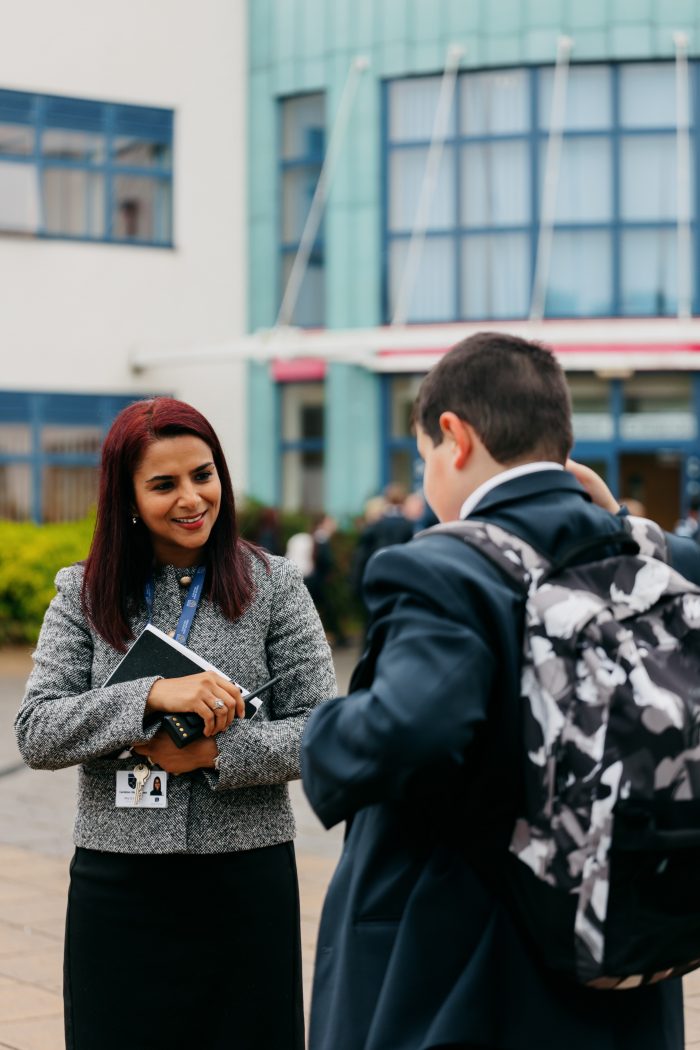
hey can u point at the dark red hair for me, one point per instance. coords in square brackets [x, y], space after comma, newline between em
[121, 556]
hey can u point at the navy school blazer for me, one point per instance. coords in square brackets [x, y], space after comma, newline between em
[415, 949]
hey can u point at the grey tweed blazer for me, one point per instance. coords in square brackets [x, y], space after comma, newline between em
[67, 718]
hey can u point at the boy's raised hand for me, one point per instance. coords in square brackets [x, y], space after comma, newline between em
[594, 485]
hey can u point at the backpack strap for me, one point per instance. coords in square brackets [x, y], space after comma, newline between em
[527, 568]
[520, 562]
[594, 548]
[649, 536]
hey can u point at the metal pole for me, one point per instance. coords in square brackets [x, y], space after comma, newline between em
[548, 208]
[683, 202]
[437, 141]
[318, 203]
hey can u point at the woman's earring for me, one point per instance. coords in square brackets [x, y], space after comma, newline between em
[134, 520]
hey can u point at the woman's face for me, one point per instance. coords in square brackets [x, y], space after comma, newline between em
[177, 495]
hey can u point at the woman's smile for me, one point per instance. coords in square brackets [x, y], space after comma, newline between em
[191, 523]
[177, 496]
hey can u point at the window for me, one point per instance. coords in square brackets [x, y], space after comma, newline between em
[49, 453]
[15, 469]
[74, 168]
[591, 407]
[302, 415]
[661, 405]
[614, 245]
[301, 159]
[402, 462]
[476, 256]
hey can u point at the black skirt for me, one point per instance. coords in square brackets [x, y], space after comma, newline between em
[182, 951]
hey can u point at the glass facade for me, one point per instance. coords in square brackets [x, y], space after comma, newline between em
[615, 210]
[401, 462]
[591, 408]
[49, 453]
[74, 168]
[15, 470]
[660, 404]
[639, 432]
[302, 445]
[614, 242]
[302, 136]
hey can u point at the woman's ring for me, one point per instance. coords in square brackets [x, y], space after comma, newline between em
[219, 703]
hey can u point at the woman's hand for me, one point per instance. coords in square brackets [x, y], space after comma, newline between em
[208, 695]
[163, 751]
[594, 486]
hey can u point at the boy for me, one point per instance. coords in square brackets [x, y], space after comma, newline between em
[415, 948]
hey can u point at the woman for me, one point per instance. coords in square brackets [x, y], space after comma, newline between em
[205, 881]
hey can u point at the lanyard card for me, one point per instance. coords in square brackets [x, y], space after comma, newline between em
[155, 790]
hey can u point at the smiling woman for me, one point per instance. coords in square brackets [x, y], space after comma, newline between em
[153, 490]
[174, 870]
[177, 494]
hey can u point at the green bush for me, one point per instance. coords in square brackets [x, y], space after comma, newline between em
[250, 516]
[341, 596]
[31, 555]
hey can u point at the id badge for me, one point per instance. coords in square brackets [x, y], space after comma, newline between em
[154, 795]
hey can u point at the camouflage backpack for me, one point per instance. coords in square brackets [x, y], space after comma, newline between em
[604, 861]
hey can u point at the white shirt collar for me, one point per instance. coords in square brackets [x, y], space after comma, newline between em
[499, 479]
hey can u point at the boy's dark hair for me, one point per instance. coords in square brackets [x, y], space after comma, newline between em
[511, 391]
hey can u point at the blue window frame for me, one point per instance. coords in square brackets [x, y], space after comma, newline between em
[400, 460]
[648, 441]
[301, 411]
[49, 452]
[84, 170]
[614, 247]
[301, 149]
[641, 433]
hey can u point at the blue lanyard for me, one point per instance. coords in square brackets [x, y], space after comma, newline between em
[188, 609]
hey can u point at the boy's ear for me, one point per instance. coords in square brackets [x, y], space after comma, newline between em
[460, 435]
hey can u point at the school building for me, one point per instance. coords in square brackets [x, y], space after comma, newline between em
[122, 230]
[422, 169]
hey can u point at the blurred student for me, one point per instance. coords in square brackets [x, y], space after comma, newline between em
[386, 529]
[634, 506]
[320, 581]
[417, 511]
[268, 535]
[689, 524]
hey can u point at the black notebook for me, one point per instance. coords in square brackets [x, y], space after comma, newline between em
[156, 653]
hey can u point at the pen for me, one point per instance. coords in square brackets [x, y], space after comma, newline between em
[262, 688]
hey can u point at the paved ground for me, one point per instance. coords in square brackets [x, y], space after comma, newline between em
[35, 822]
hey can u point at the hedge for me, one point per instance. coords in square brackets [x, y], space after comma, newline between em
[31, 555]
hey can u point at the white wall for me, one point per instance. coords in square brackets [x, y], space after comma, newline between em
[71, 313]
